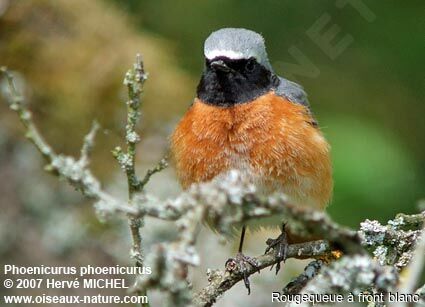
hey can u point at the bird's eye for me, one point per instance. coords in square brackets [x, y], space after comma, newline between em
[250, 65]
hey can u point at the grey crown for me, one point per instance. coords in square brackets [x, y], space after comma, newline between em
[247, 44]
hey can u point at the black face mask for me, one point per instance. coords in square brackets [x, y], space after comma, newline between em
[226, 82]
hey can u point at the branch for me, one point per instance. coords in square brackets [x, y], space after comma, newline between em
[169, 262]
[421, 293]
[224, 202]
[299, 282]
[16, 103]
[88, 145]
[405, 221]
[74, 171]
[363, 274]
[134, 80]
[412, 273]
[162, 164]
[221, 281]
[393, 243]
[232, 200]
[352, 275]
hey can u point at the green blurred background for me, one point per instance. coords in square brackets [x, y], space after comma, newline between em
[72, 55]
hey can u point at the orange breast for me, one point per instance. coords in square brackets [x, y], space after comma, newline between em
[270, 140]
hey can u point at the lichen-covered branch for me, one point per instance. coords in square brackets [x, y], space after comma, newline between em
[17, 104]
[421, 293]
[225, 203]
[412, 273]
[233, 200]
[393, 243]
[221, 281]
[298, 283]
[170, 262]
[393, 246]
[162, 164]
[352, 274]
[74, 171]
[134, 80]
[88, 145]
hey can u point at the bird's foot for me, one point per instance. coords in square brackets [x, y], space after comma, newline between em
[241, 264]
[280, 247]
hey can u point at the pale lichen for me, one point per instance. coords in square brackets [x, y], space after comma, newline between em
[352, 274]
[392, 244]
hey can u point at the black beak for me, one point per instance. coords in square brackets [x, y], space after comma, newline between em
[219, 65]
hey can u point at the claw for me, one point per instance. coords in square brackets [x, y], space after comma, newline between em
[240, 263]
[280, 247]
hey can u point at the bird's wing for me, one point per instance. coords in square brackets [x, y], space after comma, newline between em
[294, 93]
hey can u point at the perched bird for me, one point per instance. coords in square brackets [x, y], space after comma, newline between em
[245, 117]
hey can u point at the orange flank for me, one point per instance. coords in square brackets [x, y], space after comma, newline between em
[270, 139]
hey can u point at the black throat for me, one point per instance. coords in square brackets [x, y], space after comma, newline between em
[234, 82]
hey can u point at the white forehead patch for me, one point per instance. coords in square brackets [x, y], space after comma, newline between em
[236, 44]
[211, 54]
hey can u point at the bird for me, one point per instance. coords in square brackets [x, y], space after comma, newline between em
[247, 118]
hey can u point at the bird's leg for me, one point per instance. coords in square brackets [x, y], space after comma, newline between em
[241, 262]
[280, 247]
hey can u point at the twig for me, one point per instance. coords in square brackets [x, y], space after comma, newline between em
[221, 281]
[223, 202]
[162, 164]
[421, 293]
[169, 262]
[393, 243]
[231, 200]
[403, 221]
[299, 282]
[351, 275]
[134, 80]
[88, 145]
[74, 171]
[412, 273]
[16, 103]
